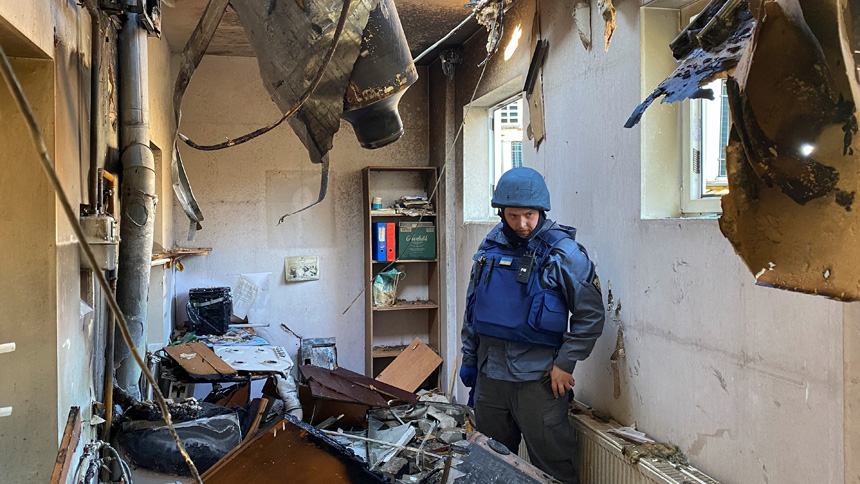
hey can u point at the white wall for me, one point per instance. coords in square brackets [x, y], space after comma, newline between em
[244, 190]
[746, 380]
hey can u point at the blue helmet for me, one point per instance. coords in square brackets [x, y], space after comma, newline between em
[521, 187]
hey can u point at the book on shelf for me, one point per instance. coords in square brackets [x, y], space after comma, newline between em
[378, 246]
[390, 241]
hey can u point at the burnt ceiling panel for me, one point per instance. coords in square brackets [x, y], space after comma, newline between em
[424, 22]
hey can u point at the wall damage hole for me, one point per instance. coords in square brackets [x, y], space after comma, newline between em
[826, 274]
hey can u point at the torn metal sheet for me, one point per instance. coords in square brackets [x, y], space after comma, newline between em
[701, 68]
[792, 154]
[290, 40]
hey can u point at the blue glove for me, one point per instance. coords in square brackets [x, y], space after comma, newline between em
[472, 397]
[468, 375]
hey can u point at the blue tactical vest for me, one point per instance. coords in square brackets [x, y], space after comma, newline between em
[502, 307]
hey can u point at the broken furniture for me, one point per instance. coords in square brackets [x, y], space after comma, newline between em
[291, 451]
[411, 367]
[416, 313]
[197, 363]
[340, 392]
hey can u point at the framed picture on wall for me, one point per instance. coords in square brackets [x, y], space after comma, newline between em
[302, 268]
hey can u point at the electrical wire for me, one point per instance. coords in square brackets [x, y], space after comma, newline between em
[344, 13]
[438, 180]
[45, 158]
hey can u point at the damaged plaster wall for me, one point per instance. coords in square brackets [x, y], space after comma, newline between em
[245, 190]
[746, 380]
[159, 314]
[52, 367]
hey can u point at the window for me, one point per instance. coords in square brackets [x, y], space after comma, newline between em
[683, 143]
[516, 154]
[506, 136]
[705, 163]
[492, 144]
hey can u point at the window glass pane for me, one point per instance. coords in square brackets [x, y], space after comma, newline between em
[507, 138]
[715, 126]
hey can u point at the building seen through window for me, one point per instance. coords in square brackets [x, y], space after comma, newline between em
[709, 136]
[506, 137]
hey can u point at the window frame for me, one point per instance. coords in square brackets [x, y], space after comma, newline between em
[491, 140]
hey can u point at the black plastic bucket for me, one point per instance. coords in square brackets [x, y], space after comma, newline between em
[209, 309]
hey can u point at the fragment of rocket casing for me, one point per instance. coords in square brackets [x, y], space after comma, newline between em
[371, 60]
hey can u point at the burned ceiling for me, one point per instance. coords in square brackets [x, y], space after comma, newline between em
[424, 22]
[792, 155]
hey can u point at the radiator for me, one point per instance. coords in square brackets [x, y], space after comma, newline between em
[601, 461]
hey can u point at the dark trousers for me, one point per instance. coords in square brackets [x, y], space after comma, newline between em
[505, 410]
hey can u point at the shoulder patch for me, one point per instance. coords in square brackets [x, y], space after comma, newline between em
[596, 283]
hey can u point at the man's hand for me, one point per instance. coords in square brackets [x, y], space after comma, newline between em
[562, 381]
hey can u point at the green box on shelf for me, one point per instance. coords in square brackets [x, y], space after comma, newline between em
[416, 241]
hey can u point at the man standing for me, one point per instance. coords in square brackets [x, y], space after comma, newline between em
[519, 351]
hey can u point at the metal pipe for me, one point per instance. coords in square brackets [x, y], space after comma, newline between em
[96, 105]
[109, 377]
[138, 200]
[443, 39]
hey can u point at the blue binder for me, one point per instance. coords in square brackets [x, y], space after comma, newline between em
[378, 249]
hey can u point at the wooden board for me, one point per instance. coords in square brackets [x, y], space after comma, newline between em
[67, 447]
[411, 367]
[199, 361]
[290, 452]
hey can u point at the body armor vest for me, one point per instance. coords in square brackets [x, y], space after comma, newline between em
[508, 301]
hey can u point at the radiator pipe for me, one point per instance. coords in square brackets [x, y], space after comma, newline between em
[138, 200]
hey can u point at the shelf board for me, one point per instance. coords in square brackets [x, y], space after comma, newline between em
[375, 213]
[392, 351]
[408, 306]
[403, 260]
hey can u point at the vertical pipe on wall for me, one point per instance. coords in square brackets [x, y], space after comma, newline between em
[97, 139]
[138, 200]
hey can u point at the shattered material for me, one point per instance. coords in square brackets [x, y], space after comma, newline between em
[789, 215]
[292, 451]
[659, 450]
[701, 68]
[607, 11]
